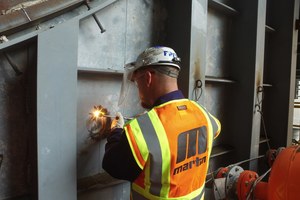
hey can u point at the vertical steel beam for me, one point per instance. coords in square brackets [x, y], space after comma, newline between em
[282, 71]
[186, 30]
[258, 81]
[248, 37]
[178, 27]
[293, 72]
[56, 112]
[198, 46]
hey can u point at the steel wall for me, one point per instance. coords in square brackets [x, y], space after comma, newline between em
[69, 66]
[131, 28]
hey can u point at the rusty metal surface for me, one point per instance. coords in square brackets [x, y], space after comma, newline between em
[7, 4]
[33, 15]
[11, 7]
[16, 123]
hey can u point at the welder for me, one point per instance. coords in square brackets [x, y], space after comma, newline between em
[164, 152]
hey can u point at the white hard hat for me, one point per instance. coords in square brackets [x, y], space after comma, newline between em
[153, 56]
[158, 55]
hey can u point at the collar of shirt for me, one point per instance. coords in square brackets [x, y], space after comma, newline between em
[177, 94]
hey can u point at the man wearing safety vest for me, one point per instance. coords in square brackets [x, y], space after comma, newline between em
[164, 152]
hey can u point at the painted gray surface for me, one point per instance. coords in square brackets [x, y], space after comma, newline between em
[280, 71]
[218, 45]
[127, 34]
[259, 70]
[106, 50]
[93, 89]
[56, 112]
[116, 192]
[198, 46]
[131, 26]
[207, 49]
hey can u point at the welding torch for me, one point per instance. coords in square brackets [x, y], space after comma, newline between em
[117, 117]
[99, 112]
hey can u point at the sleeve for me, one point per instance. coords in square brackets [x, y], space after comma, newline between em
[118, 160]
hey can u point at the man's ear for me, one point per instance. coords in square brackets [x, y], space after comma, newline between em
[149, 78]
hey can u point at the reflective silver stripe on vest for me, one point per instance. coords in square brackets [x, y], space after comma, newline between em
[155, 154]
[137, 196]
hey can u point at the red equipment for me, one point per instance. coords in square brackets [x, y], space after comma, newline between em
[283, 183]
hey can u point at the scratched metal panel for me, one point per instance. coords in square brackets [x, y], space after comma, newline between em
[130, 26]
[106, 50]
[16, 122]
[220, 108]
[218, 30]
[146, 24]
[218, 94]
[218, 66]
[93, 89]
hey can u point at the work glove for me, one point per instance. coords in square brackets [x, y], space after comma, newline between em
[118, 121]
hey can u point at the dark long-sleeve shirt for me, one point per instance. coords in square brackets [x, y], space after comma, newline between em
[118, 159]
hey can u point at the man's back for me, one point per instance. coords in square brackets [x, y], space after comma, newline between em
[174, 155]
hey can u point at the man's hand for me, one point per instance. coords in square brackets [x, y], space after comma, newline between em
[118, 122]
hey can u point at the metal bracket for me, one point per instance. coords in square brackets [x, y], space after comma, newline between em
[95, 17]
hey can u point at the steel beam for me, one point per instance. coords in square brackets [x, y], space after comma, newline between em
[247, 61]
[56, 112]
[22, 17]
[187, 35]
[281, 71]
[34, 32]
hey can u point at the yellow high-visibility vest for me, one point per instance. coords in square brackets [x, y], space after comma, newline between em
[172, 144]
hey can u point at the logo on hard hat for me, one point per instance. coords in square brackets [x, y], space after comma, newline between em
[170, 54]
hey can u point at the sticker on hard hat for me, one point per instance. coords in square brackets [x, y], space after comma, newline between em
[170, 54]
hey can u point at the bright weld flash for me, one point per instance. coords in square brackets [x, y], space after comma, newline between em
[97, 122]
[97, 114]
